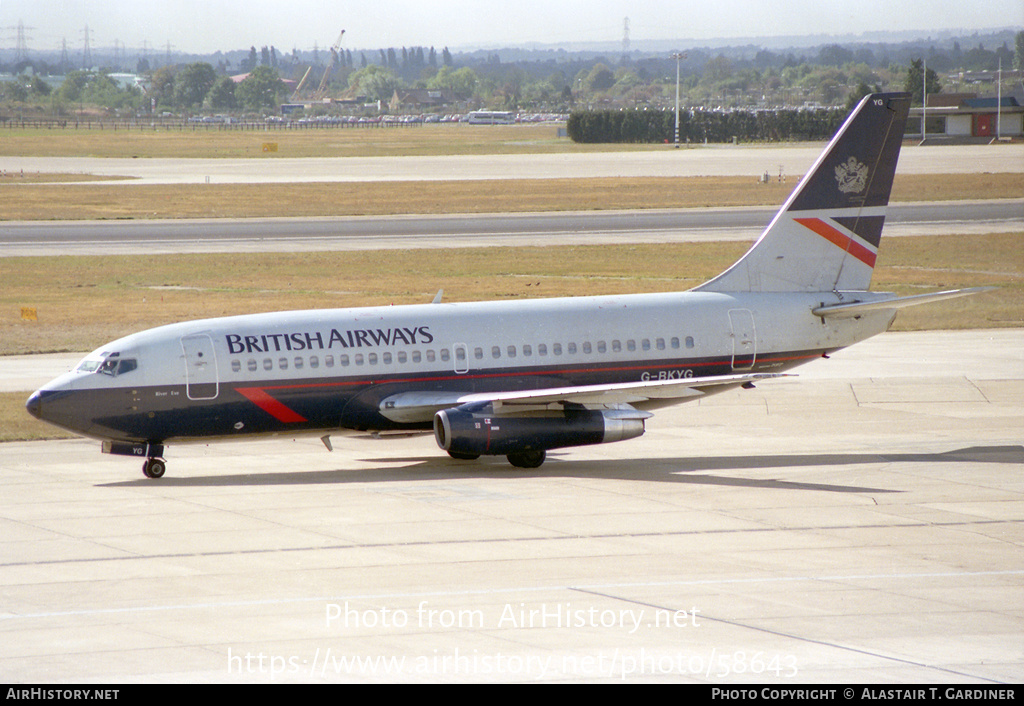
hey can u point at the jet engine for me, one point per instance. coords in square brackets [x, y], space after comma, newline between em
[473, 431]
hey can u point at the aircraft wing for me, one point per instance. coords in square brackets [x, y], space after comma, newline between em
[412, 407]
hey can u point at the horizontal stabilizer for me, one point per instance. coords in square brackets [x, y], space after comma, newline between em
[846, 311]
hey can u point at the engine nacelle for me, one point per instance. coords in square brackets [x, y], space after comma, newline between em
[477, 431]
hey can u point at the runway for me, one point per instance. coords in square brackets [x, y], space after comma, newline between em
[480, 230]
[705, 160]
[859, 523]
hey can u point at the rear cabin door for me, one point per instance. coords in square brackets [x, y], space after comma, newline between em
[744, 339]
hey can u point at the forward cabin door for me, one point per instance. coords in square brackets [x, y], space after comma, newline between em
[201, 381]
[744, 339]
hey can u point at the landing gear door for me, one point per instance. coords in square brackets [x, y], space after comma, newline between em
[744, 339]
[201, 381]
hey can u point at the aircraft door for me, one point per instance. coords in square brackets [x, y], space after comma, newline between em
[744, 339]
[201, 382]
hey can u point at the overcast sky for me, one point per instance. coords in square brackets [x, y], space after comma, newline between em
[201, 26]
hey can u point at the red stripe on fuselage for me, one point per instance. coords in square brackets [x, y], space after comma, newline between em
[268, 404]
[839, 239]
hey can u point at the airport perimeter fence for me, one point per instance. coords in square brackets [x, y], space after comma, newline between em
[699, 126]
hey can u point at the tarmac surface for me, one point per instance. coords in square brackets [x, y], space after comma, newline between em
[859, 523]
[713, 160]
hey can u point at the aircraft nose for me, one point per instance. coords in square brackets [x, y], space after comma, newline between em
[35, 405]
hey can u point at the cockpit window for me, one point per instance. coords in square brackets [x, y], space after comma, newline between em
[88, 366]
[112, 364]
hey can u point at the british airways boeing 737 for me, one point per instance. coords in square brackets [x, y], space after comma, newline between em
[514, 378]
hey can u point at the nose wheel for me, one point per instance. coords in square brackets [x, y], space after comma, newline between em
[154, 468]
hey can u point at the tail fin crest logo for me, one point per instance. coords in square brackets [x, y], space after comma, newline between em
[852, 176]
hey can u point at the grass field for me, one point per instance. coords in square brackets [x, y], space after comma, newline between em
[340, 142]
[82, 302]
[44, 202]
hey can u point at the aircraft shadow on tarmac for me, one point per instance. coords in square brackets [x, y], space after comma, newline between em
[666, 470]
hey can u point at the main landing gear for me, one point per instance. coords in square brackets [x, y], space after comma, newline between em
[154, 467]
[530, 458]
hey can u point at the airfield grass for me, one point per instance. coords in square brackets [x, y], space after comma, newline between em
[205, 142]
[76, 201]
[84, 301]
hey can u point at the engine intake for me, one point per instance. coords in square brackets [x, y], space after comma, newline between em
[477, 431]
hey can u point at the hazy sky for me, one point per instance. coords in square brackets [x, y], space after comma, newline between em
[199, 26]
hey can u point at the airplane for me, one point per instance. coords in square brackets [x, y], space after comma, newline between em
[519, 378]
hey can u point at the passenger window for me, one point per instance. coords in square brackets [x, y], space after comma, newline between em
[343, 360]
[386, 358]
[236, 366]
[527, 349]
[631, 345]
[542, 349]
[586, 347]
[314, 362]
[511, 351]
[252, 365]
[660, 344]
[445, 355]
[495, 352]
[478, 353]
[298, 363]
[282, 363]
[268, 364]
[616, 346]
[689, 341]
[645, 344]
[570, 348]
[602, 347]
[556, 348]
[358, 359]
[371, 359]
[401, 357]
[416, 357]
[329, 361]
[675, 342]
[431, 356]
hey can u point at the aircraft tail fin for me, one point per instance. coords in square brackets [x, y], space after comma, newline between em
[826, 235]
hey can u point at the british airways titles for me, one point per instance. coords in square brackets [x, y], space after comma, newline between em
[319, 340]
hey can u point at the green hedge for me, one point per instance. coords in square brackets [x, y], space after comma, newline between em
[595, 126]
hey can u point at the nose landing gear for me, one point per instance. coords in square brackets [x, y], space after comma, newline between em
[154, 468]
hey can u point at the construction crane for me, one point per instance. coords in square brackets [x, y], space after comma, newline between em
[327, 72]
[298, 89]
